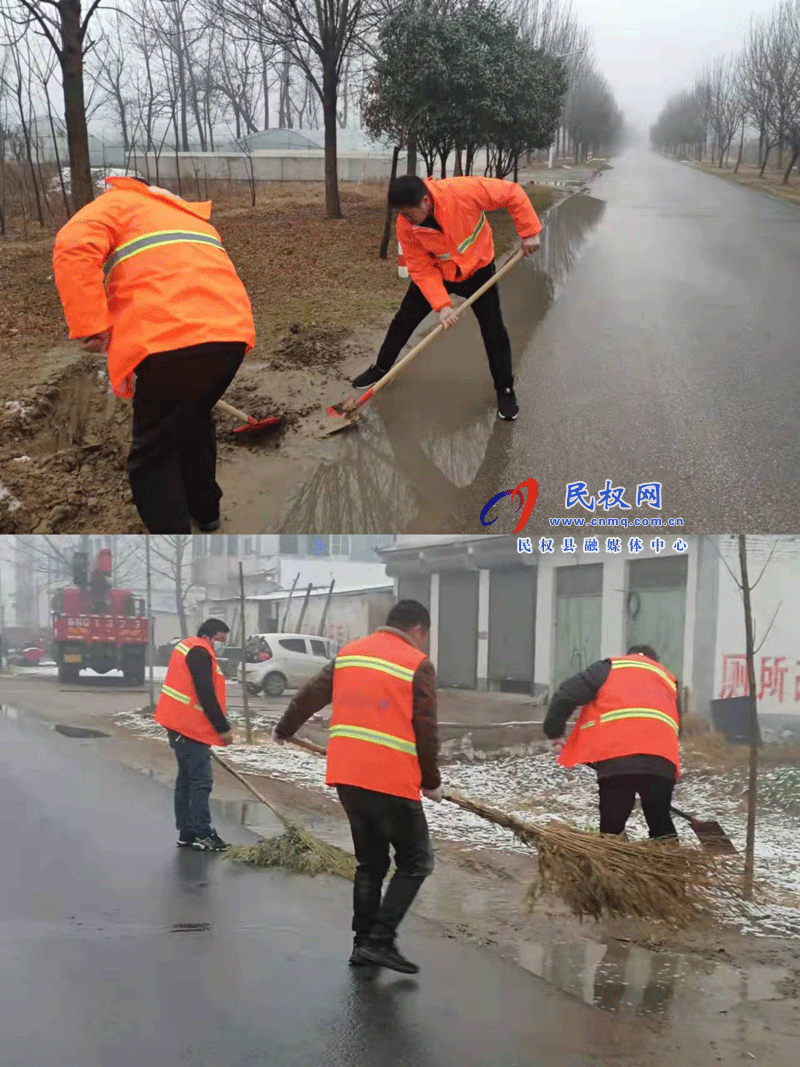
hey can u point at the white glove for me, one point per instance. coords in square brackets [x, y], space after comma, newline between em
[278, 740]
[436, 795]
[558, 744]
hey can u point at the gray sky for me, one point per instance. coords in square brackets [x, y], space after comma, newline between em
[651, 48]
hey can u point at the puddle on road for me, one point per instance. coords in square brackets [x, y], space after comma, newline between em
[78, 731]
[433, 440]
[9, 712]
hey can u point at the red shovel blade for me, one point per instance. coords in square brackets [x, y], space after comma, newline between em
[253, 425]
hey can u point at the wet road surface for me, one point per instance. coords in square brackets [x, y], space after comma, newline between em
[119, 950]
[655, 338]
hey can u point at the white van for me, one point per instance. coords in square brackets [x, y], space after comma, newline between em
[287, 661]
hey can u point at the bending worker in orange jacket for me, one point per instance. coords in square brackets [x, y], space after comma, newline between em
[627, 731]
[448, 247]
[143, 276]
[382, 751]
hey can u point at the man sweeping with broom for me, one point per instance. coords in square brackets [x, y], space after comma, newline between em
[447, 243]
[382, 753]
[627, 731]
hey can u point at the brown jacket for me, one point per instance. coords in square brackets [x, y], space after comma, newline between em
[318, 693]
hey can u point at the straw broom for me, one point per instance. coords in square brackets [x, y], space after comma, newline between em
[608, 877]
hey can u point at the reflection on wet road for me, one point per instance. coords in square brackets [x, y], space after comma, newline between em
[655, 339]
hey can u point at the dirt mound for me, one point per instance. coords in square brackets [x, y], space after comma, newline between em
[62, 453]
[309, 348]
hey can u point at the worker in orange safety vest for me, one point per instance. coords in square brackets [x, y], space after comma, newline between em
[627, 731]
[191, 708]
[382, 755]
[143, 276]
[448, 247]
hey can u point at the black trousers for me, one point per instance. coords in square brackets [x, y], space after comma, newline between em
[618, 795]
[415, 307]
[378, 821]
[172, 464]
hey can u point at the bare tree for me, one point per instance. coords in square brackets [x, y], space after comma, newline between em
[171, 556]
[114, 76]
[18, 84]
[757, 87]
[319, 38]
[722, 89]
[66, 27]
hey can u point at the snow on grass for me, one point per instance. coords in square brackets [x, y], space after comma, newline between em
[8, 499]
[538, 790]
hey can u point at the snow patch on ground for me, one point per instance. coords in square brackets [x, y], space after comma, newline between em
[11, 503]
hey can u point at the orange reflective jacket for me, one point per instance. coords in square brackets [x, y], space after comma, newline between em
[465, 243]
[178, 708]
[634, 713]
[152, 269]
[372, 742]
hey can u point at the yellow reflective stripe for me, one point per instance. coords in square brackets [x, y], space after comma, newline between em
[184, 698]
[645, 667]
[471, 240]
[375, 737]
[154, 240]
[373, 663]
[184, 649]
[586, 725]
[445, 255]
[640, 713]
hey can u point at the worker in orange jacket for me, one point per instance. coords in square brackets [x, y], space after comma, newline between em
[627, 731]
[449, 250]
[143, 276]
[191, 708]
[382, 754]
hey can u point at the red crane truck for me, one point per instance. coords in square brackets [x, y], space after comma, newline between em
[97, 627]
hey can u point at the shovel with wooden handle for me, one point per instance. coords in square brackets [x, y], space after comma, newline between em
[349, 410]
[249, 424]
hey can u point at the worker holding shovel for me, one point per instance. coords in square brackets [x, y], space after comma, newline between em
[448, 247]
[382, 754]
[627, 731]
[143, 276]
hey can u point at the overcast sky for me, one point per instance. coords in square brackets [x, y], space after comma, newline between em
[651, 48]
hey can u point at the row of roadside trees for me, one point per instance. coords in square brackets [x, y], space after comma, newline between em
[756, 90]
[440, 78]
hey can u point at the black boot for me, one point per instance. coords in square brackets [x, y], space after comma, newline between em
[356, 957]
[385, 954]
[370, 376]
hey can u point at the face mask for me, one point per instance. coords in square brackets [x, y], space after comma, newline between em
[219, 644]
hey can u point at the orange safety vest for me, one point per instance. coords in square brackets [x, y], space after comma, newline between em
[151, 268]
[634, 713]
[465, 241]
[178, 708]
[371, 740]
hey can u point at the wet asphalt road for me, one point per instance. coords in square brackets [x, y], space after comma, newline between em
[656, 338]
[94, 974]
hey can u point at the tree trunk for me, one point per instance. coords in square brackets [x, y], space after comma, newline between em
[333, 206]
[458, 172]
[75, 106]
[443, 157]
[411, 156]
[761, 139]
[741, 151]
[764, 161]
[752, 787]
[790, 168]
[516, 168]
[387, 227]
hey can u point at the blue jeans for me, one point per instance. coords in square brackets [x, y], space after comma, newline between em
[192, 786]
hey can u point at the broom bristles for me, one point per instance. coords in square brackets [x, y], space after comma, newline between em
[297, 850]
[607, 877]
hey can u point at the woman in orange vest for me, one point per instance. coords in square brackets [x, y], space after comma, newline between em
[143, 276]
[382, 755]
[191, 708]
[627, 731]
[448, 247]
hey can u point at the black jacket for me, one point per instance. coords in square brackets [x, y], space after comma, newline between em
[582, 689]
[201, 669]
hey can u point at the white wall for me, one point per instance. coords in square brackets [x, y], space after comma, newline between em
[778, 661]
[323, 571]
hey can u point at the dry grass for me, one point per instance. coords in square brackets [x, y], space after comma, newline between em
[771, 183]
[296, 850]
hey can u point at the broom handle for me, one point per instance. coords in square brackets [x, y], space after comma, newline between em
[223, 405]
[398, 367]
[247, 785]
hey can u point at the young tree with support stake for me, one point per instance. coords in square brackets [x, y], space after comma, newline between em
[66, 27]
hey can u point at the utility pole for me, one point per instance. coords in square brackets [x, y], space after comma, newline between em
[150, 653]
[245, 702]
[752, 789]
[304, 608]
[324, 618]
[289, 602]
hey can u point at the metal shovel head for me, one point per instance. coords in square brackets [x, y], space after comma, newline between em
[712, 836]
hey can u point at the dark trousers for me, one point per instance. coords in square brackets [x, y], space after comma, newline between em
[618, 795]
[487, 310]
[192, 786]
[378, 821]
[172, 464]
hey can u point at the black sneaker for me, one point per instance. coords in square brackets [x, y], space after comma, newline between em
[385, 954]
[356, 958]
[507, 407]
[370, 376]
[186, 840]
[210, 842]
